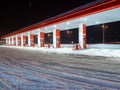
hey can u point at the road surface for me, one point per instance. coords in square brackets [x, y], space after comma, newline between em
[32, 70]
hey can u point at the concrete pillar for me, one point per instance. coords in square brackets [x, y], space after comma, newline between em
[19, 41]
[29, 40]
[42, 39]
[6, 41]
[9, 40]
[22, 40]
[39, 39]
[82, 36]
[12, 41]
[32, 40]
[16, 40]
[56, 38]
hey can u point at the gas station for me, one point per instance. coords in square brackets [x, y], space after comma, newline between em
[49, 32]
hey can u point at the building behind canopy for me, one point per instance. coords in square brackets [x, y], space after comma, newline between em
[66, 28]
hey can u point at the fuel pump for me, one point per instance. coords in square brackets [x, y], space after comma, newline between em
[42, 39]
[57, 42]
[24, 40]
[19, 41]
[84, 36]
[24, 43]
[42, 42]
[32, 40]
[57, 38]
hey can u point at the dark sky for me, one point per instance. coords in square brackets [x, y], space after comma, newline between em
[17, 14]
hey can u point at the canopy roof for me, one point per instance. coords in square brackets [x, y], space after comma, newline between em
[97, 12]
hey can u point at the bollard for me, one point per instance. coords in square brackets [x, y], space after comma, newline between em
[48, 45]
[76, 47]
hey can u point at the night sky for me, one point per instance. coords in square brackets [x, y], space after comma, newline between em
[17, 14]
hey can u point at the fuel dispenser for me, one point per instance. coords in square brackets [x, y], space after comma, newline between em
[42, 39]
[42, 42]
[57, 42]
[32, 40]
[19, 41]
[84, 36]
[24, 40]
[58, 38]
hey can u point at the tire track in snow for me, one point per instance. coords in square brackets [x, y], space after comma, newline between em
[72, 77]
[79, 78]
[27, 68]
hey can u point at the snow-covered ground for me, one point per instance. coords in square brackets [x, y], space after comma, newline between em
[106, 50]
[35, 69]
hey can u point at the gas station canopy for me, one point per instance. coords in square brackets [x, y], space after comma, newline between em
[97, 12]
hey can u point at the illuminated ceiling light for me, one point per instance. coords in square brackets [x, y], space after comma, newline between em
[68, 23]
[45, 28]
[85, 19]
[54, 26]
[97, 22]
